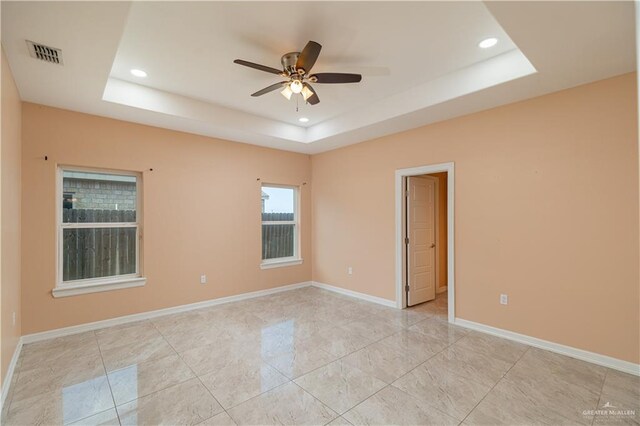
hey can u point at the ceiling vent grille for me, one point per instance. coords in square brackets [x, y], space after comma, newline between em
[45, 53]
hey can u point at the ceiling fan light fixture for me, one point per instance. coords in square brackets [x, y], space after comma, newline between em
[296, 86]
[306, 93]
[287, 92]
[296, 67]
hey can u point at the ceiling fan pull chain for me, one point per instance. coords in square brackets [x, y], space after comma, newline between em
[296, 104]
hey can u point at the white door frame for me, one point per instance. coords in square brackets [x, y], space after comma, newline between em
[401, 296]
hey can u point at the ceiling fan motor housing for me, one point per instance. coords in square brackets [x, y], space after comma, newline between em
[289, 62]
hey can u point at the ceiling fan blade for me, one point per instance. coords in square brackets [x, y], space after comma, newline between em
[308, 56]
[258, 66]
[336, 77]
[313, 99]
[269, 89]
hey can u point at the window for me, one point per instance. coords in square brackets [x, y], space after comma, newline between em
[280, 226]
[99, 231]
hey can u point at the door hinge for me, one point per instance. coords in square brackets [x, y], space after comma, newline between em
[406, 240]
[406, 194]
[406, 287]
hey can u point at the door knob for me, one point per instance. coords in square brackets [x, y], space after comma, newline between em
[433, 245]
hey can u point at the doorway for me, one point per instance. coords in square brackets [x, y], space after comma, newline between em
[424, 235]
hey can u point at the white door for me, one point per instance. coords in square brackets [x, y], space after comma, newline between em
[421, 242]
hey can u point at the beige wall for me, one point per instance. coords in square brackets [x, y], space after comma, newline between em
[546, 197]
[201, 214]
[10, 153]
[531, 202]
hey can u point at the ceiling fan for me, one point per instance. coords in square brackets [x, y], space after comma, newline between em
[296, 69]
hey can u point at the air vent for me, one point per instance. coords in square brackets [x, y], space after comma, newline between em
[45, 53]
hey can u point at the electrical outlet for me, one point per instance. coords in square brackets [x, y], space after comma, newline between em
[350, 270]
[504, 299]
[13, 317]
[203, 279]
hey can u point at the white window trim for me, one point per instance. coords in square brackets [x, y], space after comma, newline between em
[98, 286]
[296, 259]
[280, 262]
[94, 285]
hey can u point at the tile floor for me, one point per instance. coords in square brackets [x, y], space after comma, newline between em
[308, 356]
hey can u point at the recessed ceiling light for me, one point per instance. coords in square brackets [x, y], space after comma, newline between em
[303, 119]
[138, 73]
[488, 42]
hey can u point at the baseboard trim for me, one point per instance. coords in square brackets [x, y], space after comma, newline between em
[598, 359]
[440, 290]
[357, 295]
[75, 329]
[592, 357]
[6, 383]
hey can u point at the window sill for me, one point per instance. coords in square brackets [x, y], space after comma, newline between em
[96, 287]
[280, 263]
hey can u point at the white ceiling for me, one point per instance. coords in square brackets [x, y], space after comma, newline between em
[420, 61]
[196, 61]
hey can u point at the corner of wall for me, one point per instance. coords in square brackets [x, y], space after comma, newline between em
[10, 222]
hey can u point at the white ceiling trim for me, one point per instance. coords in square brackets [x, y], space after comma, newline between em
[580, 42]
[491, 72]
[497, 70]
[150, 99]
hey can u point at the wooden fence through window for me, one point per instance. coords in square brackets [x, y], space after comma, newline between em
[277, 240]
[102, 252]
[98, 252]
